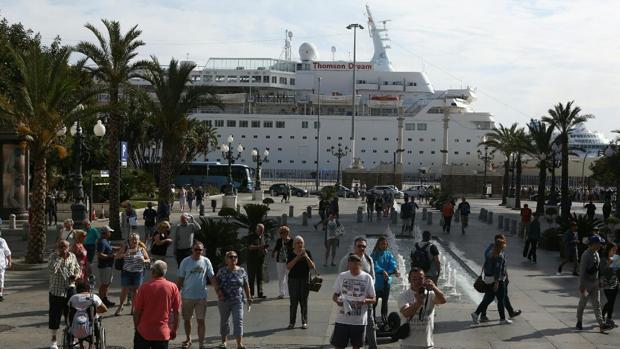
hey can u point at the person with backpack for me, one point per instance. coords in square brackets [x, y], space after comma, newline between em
[385, 267]
[464, 209]
[370, 206]
[447, 211]
[367, 265]
[406, 212]
[82, 321]
[425, 256]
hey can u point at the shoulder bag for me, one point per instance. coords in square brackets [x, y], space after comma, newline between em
[479, 284]
[315, 281]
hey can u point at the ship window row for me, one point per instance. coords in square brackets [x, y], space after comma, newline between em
[421, 126]
[245, 124]
[245, 79]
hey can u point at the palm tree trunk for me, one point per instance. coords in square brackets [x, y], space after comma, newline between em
[37, 238]
[114, 163]
[518, 183]
[506, 181]
[165, 172]
[542, 179]
[566, 199]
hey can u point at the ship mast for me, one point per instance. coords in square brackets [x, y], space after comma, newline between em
[380, 40]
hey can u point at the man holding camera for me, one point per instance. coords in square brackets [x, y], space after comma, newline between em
[417, 306]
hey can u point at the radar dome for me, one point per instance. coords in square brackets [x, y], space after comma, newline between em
[308, 52]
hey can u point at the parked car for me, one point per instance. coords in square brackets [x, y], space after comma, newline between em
[280, 188]
[417, 190]
[342, 191]
[378, 190]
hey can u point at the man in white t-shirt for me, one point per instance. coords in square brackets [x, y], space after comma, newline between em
[5, 263]
[354, 291]
[417, 305]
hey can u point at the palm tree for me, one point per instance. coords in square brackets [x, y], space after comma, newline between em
[541, 141]
[45, 97]
[176, 99]
[113, 68]
[501, 139]
[520, 143]
[564, 119]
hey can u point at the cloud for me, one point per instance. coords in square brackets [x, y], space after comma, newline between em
[524, 56]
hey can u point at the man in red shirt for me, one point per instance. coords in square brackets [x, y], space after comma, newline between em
[526, 219]
[154, 327]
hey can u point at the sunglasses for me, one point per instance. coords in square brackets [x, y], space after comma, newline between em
[198, 249]
[232, 257]
[361, 246]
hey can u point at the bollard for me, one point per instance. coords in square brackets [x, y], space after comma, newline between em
[490, 217]
[284, 219]
[213, 204]
[481, 215]
[484, 215]
[279, 220]
[309, 210]
[424, 212]
[500, 222]
[290, 211]
[26, 228]
[513, 227]
[429, 218]
[304, 218]
[394, 217]
[12, 221]
[360, 214]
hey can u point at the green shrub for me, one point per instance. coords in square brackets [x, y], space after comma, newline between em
[227, 212]
[220, 236]
[551, 239]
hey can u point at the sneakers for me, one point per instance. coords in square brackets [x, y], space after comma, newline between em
[474, 318]
[304, 326]
[54, 345]
[505, 322]
[579, 326]
[610, 322]
[484, 318]
[107, 302]
[515, 314]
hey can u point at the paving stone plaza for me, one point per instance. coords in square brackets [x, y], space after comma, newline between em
[548, 302]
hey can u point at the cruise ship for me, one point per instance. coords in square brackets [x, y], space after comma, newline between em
[298, 109]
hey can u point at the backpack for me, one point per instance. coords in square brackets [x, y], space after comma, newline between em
[81, 326]
[420, 257]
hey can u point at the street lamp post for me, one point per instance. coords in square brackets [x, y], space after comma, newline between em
[400, 150]
[256, 156]
[318, 135]
[486, 158]
[78, 208]
[339, 152]
[353, 26]
[229, 155]
[613, 160]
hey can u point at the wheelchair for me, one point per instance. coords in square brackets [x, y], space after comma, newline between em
[97, 338]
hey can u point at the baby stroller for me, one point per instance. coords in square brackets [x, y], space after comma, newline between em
[82, 326]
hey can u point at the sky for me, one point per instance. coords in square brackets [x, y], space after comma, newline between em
[521, 56]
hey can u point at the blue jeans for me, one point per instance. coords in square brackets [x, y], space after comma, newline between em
[489, 295]
[227, 308]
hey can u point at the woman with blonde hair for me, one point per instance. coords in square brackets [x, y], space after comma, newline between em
[134, 257]
[81, 254]
[160, 241]
[284, 245]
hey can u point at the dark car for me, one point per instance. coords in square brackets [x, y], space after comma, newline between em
[342, 191]
[280, 188]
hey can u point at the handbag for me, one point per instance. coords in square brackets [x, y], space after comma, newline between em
[479, 284]
[315, 281]
[118, 263]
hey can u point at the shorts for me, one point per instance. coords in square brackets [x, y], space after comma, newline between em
[105, 276]
[131, 279]
[345, 334]
[190, 307]
[332, 243]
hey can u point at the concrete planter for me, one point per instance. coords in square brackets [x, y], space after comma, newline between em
[511, 202]
[229, 201]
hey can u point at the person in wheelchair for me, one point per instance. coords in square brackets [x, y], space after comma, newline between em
[84, 322]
